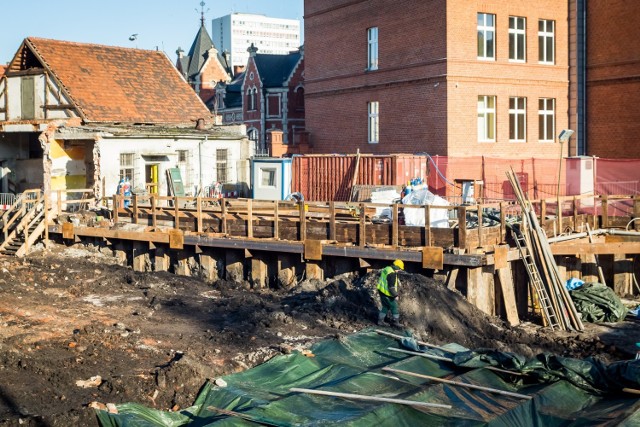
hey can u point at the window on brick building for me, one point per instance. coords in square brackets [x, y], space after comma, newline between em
[517, 39]
[486, 118]
[251, 99]
[486, 36]
[517, 119]
[546, 41]
[373, 122]
[372, 50]
[546, 119]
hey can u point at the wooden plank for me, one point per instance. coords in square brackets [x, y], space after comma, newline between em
[154, 219]
[503, 223]
[427, 226]
[276, 220]
[605, 211]
[223, 204]
[501, 256]
[249, 219]
[136, 211]
[176, 214]
[452, 277]
[313, 250]
[433, 257]
[332, 220]
[176, 239]
[579, 248]
[462, 227]
[505, 281]
[199, 214]
[362, 232]
[394, 226]
[480, 227]
[67, 230]
[115, 207]
[303, 221]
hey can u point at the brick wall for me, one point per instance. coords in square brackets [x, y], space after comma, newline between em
[613, 78]
[429, 76]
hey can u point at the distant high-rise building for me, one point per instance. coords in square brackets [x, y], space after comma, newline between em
[237, 31]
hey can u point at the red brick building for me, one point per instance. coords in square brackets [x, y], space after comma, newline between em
[449, 77]
[608, 31]
[273, 96]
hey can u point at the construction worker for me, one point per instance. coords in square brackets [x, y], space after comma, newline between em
[388, 289]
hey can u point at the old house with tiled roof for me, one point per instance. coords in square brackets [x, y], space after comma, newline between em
[76, 115]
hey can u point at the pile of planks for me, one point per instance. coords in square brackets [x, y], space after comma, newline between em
[554, 300]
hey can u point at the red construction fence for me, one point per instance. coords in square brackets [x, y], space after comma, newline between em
[330, 177]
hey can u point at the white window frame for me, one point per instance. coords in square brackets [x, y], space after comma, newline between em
[127, 167]
[373, 122]
[372, 48]
[268, 177]
[515, 35]
[483, 42]
[517, 110]
[222, 165]
[546, 119]
[486, 118]
[546, 36]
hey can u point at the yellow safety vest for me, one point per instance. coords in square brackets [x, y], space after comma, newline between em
[383, 286]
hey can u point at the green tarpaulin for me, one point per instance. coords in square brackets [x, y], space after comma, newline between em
[354, 365]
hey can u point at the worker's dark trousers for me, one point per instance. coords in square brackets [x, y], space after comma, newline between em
[388, 304]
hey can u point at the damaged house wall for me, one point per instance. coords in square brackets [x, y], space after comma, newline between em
[135, 158]
[27, 95]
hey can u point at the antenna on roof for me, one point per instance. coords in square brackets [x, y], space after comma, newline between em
[202, 12]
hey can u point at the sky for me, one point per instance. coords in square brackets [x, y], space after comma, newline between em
[160, 24]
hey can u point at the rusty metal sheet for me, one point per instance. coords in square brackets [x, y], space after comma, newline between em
[67, 230]
[176, 239]
[433, 257]
[500, 257]
[313, 250]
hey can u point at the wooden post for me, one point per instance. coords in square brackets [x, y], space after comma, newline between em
[154, 218]
[303, 221]
[276, 220]
[161, 260]
[559, 216]
[427, 225]
[622, 271]
[503, 223]
[462, 227]
[223, 205]
[176, 213]
[394, 225]
[199, 213]
[361, 229]
[332, 220]
[47, 203]
[605, 211]
[139, 256]
[480, 227]
[249, 218]
[135, 209]
[314, 271]
[543, 212]
[575, 213]
[115, 208]
[208, 267]
[234, 261]
[259, 276]
[505, 281]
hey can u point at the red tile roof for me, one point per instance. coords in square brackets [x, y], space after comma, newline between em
[115, 84]
[3, 68]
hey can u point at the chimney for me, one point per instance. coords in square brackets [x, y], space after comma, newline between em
[200, 124]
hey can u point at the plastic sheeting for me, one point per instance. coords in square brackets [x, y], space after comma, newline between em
[438, 218]
[598, 303]
[354, 365]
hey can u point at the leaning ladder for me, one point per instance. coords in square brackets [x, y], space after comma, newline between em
[534, 275]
